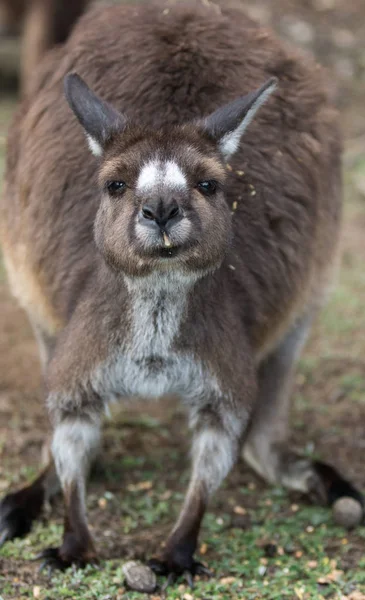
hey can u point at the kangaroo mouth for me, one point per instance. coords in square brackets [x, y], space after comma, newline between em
[168, 252]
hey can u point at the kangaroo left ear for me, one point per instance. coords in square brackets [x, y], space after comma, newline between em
[227, 124]
[99, 119]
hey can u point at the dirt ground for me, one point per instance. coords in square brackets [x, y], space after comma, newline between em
[148, 443]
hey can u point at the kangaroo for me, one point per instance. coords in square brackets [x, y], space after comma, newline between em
[172, 228]
[43, 24]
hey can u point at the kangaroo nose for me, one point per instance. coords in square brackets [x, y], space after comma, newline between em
[162, 213]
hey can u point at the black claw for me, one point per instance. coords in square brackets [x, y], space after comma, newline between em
[4, 537]
[37, 557]
[42, 566]
[171, 578]
[189, 579]
[52, 561]
[47, 553]
[162, 567]
[200, 569]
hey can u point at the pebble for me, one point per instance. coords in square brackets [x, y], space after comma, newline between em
[139, 577]
[347, 512]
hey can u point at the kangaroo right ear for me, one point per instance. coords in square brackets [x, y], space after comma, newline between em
[98, 118]
[228, 123]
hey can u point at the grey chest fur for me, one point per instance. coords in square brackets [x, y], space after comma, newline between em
[148, 365]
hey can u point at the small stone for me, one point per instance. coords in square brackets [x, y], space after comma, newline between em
[139, 577]
[347, 512]
[36, 591]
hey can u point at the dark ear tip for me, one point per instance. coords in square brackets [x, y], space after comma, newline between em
[70, 80]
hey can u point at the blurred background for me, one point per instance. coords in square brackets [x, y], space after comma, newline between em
[143, 452]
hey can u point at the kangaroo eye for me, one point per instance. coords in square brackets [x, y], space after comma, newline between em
[115, 188]
[208, 188]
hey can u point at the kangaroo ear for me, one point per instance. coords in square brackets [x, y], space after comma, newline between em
[98, 118]
[227, 124]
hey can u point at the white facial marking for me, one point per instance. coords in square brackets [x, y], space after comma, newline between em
[230, 141]
[94, 146]
[149, 176]
[174, 177]
[157, 173]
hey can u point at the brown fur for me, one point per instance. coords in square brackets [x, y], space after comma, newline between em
[262, 220]
[69, 245]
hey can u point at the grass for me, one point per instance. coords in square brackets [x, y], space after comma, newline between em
[303, 565]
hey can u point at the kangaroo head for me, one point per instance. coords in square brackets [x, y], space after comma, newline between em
[162, 192]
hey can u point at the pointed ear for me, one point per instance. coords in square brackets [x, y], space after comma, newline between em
[98, 118]
[227, 124]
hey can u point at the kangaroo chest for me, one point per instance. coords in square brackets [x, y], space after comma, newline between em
[149, 364]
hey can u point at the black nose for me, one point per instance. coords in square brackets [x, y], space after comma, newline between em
[160, 213]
